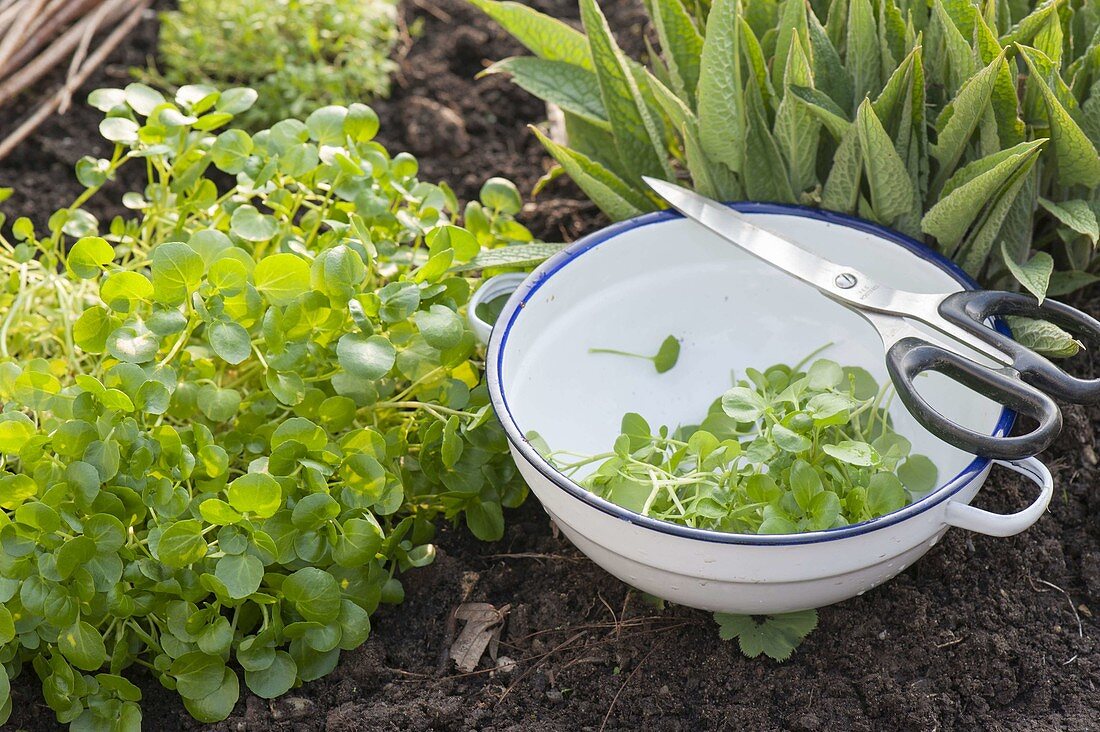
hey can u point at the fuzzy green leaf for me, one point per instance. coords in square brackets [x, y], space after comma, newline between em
[614, 197]
[721, 97]
[637, 137]
[1033, 274]
[573, 88]
[542, 35]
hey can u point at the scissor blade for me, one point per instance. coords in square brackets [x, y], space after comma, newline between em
[761, 243]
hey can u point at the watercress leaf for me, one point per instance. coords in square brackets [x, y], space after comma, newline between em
[182, 544]
[359, 541]
[885, 494]
[229, 340]
[231, 150]
[314, 510]
[177, 270]
[89, 256]
[743, 404]
[251, 225]
[441, 327]
[805, 484]
[256, 493]
[485, 520]
[314, 594]
[852, 452]
[918, 473]
[365, 357]
[82, 645]
[133, 343]
[281, 278]
[789, 440]
[218, 704]
[275, 680]
[241, 574]
[667, 355]
[824, 374]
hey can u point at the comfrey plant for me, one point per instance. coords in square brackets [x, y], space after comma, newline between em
[971, 124]
[229, 419]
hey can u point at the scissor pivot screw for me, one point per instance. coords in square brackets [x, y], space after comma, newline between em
[845, 281]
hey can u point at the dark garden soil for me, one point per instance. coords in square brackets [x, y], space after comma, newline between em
[981, 634]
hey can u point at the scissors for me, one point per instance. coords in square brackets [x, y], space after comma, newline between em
[1023, 380]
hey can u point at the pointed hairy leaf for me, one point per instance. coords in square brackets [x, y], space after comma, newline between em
[721, 97]
[765, 171]
[1033, 274]
[830, 75]
[792, 28]
[1043, 336]
[797, 129]
[1076, 155]
[682, 44]
[823, 107]
[571, 87]
[542, 35]
[517, 255]
[863, 54]
[614, 197]
[638, 140]
[841, 191]
[887, 176]
[972, 188]
[710, 178]
[951, 61]
[1078, 215]
[1028, 26]
[989, 227]
[964, 111]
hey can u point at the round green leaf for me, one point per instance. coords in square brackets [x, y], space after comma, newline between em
[82, 646]
[256, 493]
[314, 594]
[177, 270]
[229, 340]
[251, 225]
[365, 357]
[217, 705]
[440, 326]
[182, 544]
[241, 574]
[121, 290]
[314, 510]
[89, 256]
[275, 680]
[281, 278]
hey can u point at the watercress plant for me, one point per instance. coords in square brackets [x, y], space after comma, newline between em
[230, 417]
[783, 451]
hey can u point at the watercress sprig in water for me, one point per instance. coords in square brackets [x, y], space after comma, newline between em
[784, 451]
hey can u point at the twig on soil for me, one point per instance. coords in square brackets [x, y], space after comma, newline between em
[38, 35]
[633, 673]
[535, 665]
[1076, 615]
[430, 9]
[536, 555]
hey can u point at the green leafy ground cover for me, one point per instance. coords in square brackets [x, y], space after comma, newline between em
[298, 54]
[229, 419]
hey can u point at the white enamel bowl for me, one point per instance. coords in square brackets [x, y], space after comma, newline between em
[628, 287]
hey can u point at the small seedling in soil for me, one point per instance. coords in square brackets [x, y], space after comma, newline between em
[776, 636]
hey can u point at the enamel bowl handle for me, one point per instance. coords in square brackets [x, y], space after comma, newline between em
[966, 516]
[491, 289]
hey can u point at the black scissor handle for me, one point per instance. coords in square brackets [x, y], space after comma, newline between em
[970, 309]
[912, 356]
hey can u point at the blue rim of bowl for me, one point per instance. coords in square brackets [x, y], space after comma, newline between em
[518, 299]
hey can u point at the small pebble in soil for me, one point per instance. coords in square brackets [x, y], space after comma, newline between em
[554, 695]
[505, 665]
[290, 707]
